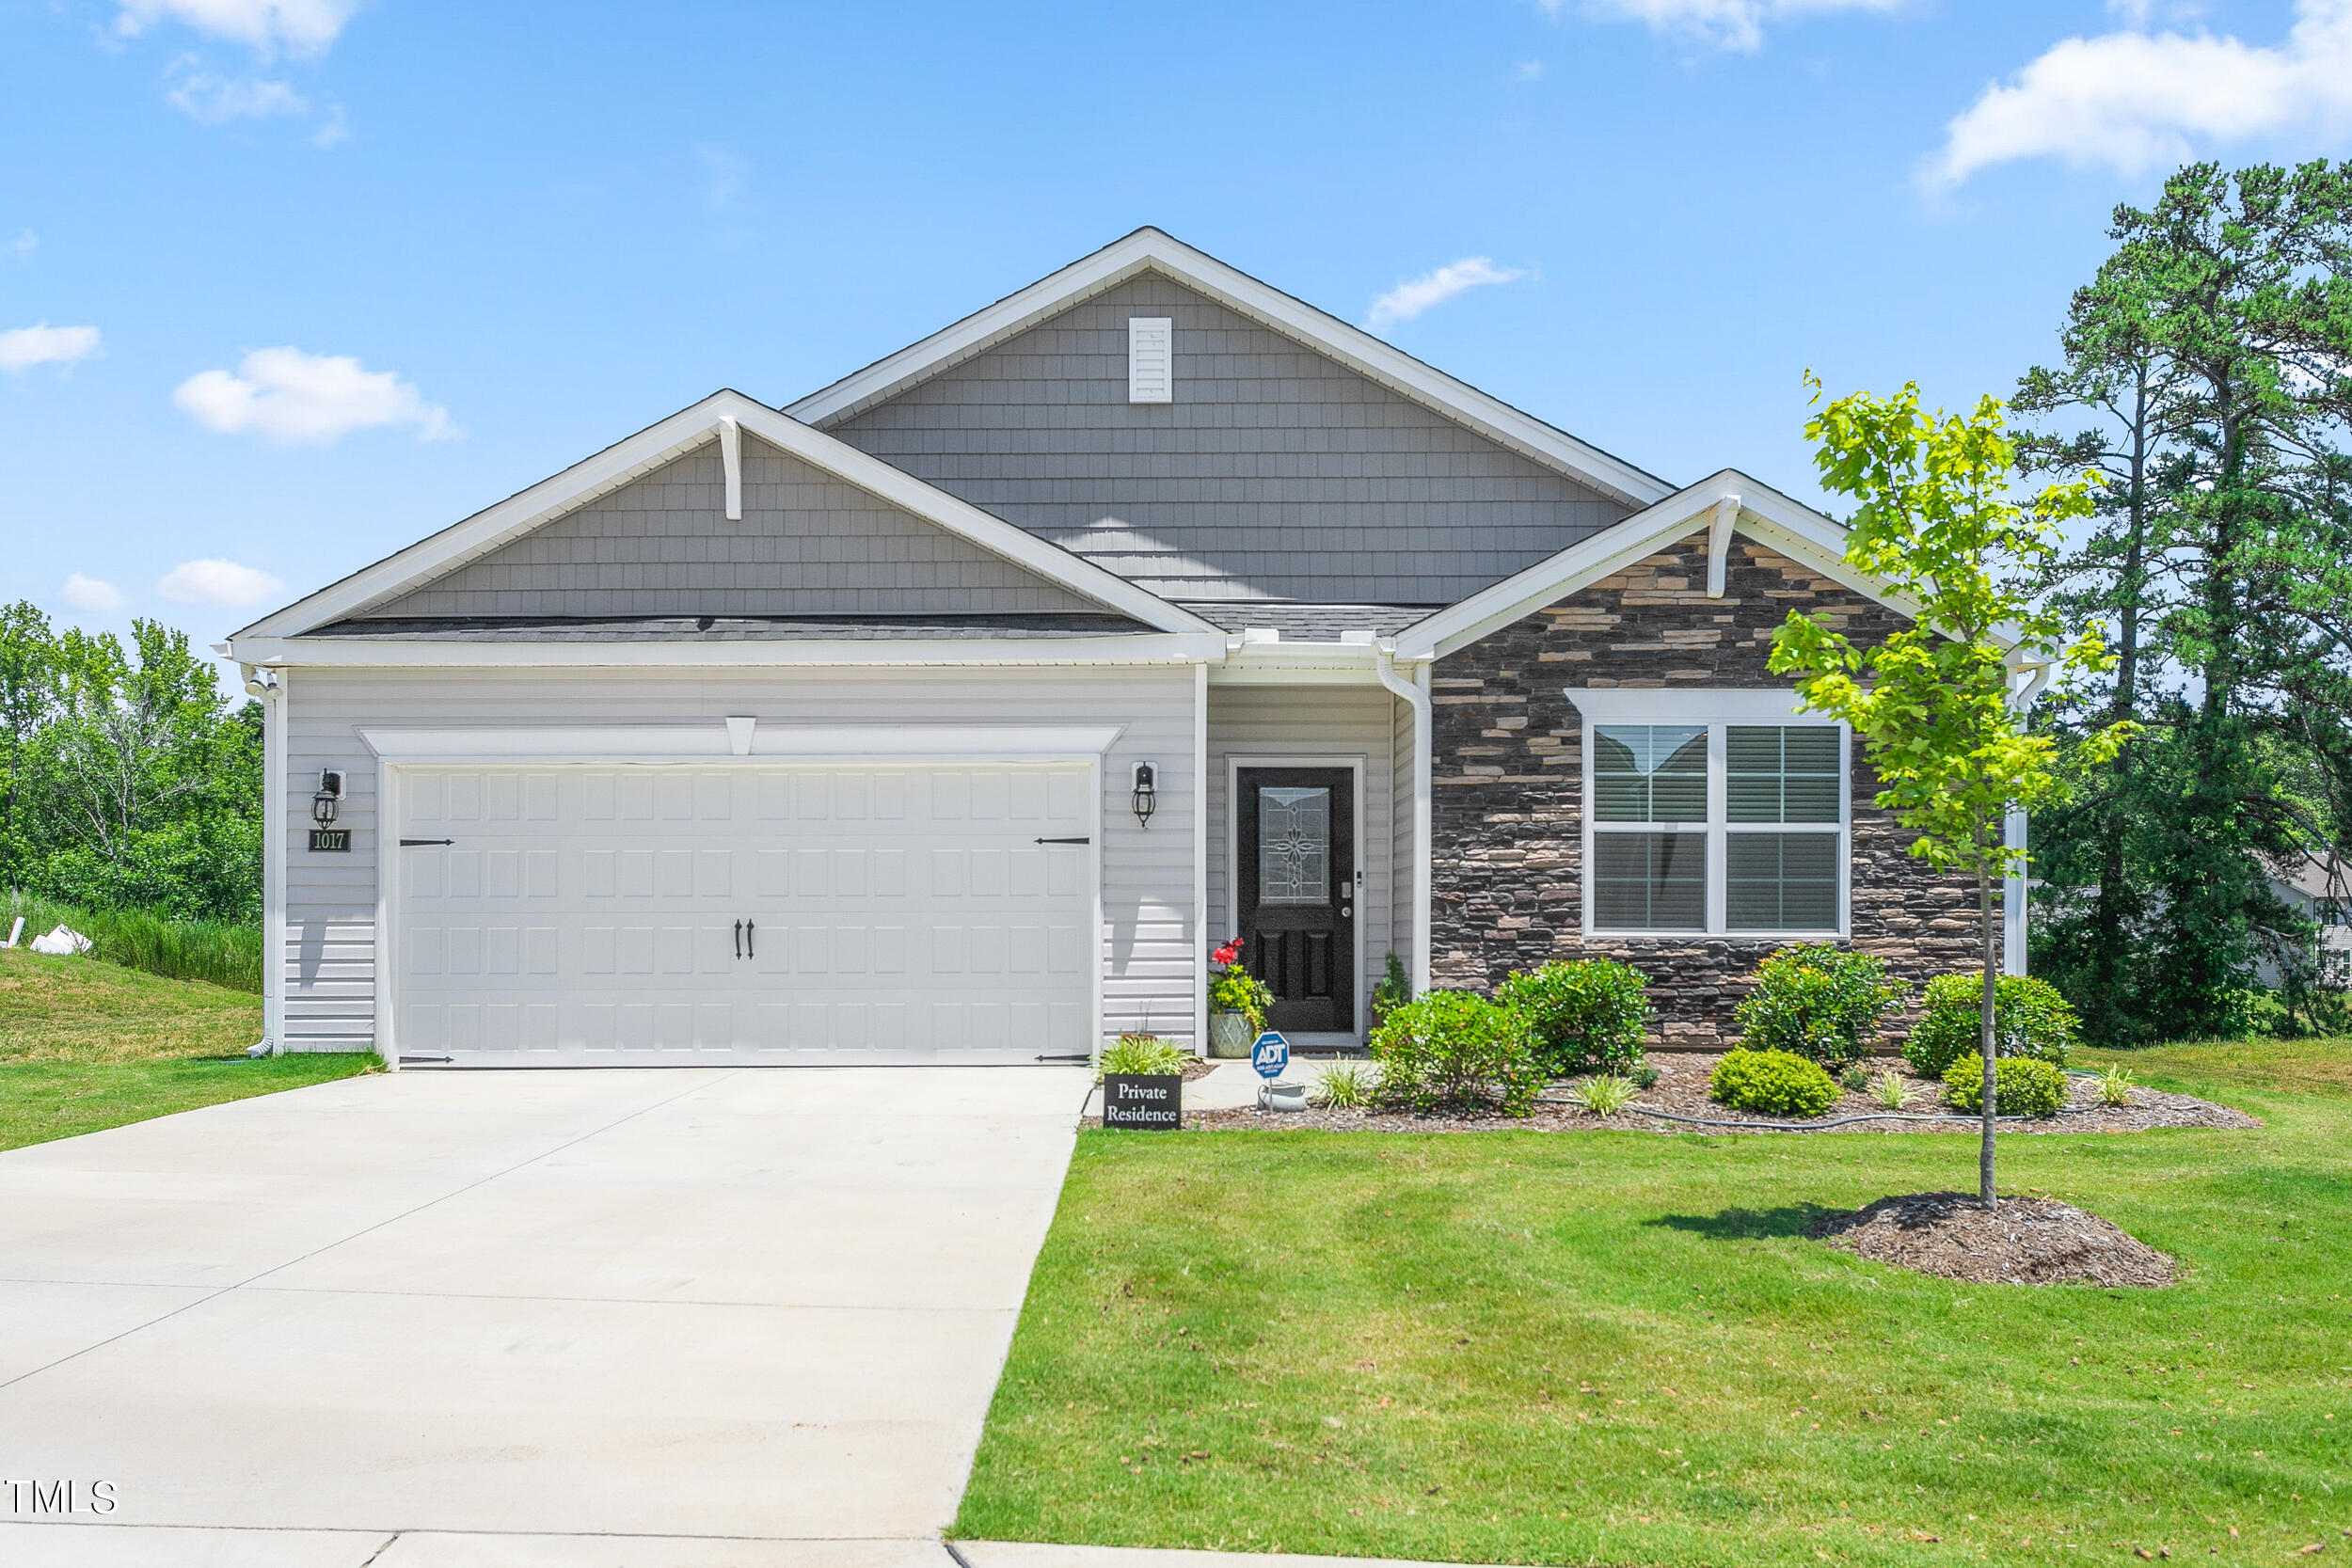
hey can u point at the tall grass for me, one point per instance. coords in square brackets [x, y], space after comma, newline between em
[211, 950]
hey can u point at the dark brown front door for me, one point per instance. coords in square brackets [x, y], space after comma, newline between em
[1296, 861]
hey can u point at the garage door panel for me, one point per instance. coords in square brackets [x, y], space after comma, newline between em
[883, 912]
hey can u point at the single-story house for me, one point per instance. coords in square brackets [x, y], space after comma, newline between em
[956, 711]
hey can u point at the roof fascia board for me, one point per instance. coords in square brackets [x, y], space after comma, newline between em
[681, 432]
[1766, 516]
[406, 653]
[1359, 350]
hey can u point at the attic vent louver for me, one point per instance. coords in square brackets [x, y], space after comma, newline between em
[1151, 359]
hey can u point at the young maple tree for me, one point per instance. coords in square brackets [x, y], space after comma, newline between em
[1935, 703]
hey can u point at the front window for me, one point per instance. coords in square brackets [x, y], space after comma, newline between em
[1716, 828]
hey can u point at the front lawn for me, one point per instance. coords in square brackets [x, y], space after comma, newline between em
[1619, 1347]
[85, 1045]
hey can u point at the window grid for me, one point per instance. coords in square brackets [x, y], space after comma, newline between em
[1782, 797]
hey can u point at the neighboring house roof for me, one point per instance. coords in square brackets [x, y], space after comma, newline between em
[1299, 458]
[721, 422]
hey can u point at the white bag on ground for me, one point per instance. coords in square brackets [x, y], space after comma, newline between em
[62, 942]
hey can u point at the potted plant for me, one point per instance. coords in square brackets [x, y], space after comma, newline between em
[1237, 1003]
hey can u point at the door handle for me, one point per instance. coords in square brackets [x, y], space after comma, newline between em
[739, 939]
[751, 948]
[1346, 912]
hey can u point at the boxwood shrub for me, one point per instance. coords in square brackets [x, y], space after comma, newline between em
[2021, 1085]
[1821, 1002]
[1778, 1083]
[2029, 1019]
[1590, 1015]
[1456, 1047]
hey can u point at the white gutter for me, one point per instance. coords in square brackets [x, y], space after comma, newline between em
[1416, 693]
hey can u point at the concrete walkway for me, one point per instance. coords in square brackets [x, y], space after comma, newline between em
[690, 1319]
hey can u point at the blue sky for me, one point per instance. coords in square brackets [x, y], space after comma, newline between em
[287, 284]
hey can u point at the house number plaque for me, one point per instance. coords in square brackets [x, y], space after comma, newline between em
[336, 841]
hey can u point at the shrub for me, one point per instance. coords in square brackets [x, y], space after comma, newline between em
[2029, 1019]
[1780, 1082]
[1394, 989]
[1821, 1003]
[1891, 1090]
[1853, 1080]
[1604, 1094]
[1589, 1016]
[1645, 1077]
[2021, 1085]
[1141, 1053]
[2115, 1088]
[1454, 1048]
[1346, 1086]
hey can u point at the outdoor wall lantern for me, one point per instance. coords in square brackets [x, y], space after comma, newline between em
[323, 804]
[1147, 796]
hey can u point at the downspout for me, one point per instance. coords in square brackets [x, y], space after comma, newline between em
[2014, 891]
[270, 686]
[1416, 693]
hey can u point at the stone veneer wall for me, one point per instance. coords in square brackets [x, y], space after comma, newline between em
[1509, 784]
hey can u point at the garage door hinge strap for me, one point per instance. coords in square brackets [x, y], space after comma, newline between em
[1064, 841]
[412, 843]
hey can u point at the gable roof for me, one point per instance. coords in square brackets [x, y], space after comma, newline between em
[1763, 514]
[453, 548]
[1149, 250]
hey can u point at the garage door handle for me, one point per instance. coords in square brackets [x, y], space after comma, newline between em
[1064, 841]
[739, 939]
[750, 949]
[412, 843]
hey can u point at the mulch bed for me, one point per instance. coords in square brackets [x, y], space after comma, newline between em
[1681, 1091]
[2028, 1241]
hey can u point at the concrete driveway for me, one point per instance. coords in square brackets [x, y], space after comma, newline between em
[703, 1316]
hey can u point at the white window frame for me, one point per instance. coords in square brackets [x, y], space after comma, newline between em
[1716, 711]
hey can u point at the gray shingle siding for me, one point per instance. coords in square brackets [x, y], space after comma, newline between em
[1276, 472]
[808, 544]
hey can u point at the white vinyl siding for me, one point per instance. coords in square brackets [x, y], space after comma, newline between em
[1150, 939]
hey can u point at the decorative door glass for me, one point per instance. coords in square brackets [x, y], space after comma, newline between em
[1293, 846]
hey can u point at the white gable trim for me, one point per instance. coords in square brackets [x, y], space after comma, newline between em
[1150, 250]
[708, 420]
[1772, 519]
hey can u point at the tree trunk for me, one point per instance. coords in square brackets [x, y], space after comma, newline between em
[1984, 1041]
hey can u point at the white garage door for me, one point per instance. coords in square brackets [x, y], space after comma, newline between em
[664, 915]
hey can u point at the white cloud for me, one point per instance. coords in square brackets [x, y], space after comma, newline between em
[331, 131]
[1724, 24]
[211, 100]
[725, 172]
[1410, 298]
[1530, 71]
[217, 582]
[293, 397]
[92, 596]
[24, 244]
[44, 344]
[266, 26]
[2135, 100]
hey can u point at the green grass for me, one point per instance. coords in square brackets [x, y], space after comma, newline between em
[220, 953]
[86, 1044]
[1620, 1348]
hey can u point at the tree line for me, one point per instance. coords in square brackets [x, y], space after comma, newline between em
[2205, 375]
[128, 779]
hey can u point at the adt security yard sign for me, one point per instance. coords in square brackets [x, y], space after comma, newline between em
[1270, 1055]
